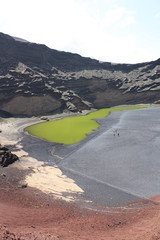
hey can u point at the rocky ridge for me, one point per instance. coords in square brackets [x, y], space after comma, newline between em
[36, 80]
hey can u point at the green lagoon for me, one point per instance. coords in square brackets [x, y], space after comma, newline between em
[71, 130]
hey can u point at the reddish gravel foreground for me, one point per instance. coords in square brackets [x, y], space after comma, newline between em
[28, 214]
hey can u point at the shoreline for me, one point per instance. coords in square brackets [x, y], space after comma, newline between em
[31, 214]
[45, 160]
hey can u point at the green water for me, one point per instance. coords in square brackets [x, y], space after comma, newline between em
[74, 129]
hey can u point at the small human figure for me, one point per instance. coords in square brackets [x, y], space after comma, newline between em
[115, 132]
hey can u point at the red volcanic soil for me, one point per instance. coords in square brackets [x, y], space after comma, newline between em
[28, 214]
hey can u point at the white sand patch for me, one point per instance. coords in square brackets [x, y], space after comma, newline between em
[7, 126]
[20, 153]
[51, 180]
[5, 141]
[27, 162]
[48, 179]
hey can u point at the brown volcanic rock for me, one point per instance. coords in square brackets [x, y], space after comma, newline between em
[36, 80]
[39, 105]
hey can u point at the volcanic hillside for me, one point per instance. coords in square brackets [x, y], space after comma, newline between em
[36, 80]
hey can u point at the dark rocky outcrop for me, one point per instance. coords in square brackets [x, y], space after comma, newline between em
[6, 157]
[37, 80]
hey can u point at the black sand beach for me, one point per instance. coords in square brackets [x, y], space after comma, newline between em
[112, 170]
[116, 176]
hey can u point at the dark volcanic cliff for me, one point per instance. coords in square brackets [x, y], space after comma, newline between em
[35, 80]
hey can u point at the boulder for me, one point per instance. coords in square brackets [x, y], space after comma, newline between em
[6, 157]
[71, 107]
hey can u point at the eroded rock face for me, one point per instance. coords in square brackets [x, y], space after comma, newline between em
[36, 80]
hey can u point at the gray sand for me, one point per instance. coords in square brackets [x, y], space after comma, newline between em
[115, 170]
[112, 170]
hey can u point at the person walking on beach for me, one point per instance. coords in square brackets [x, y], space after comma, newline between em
[116, 133]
